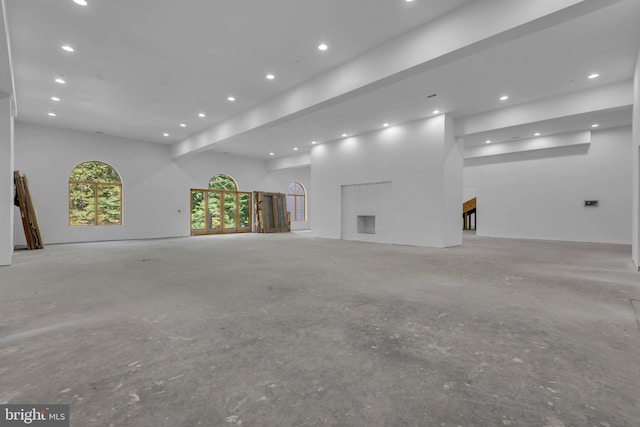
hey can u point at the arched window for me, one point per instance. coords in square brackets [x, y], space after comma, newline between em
[296, 203]
[223, 182]
[95, 195]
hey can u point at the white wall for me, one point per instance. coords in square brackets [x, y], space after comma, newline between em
[424, 165]
[155, 187]
[635, 156]
[540, 195]
[469, 193]
[6, 182]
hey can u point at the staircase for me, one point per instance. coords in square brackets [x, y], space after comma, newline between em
[469, 219]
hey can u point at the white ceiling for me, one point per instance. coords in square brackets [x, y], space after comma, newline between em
[142, 67]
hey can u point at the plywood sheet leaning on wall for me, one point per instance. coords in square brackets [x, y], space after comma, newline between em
[27, 212]
[271, 213]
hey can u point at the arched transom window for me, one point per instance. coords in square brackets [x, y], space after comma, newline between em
[95, 195]
[223, 182]
[296, 202]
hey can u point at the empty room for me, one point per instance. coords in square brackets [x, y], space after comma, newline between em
[320, 213]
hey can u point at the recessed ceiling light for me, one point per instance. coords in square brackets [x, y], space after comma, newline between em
[436, 111]
[80, 2]
[313, 143]
[295, 148]
[504, 98]
[52, 114]
[270, 76]
[55, 98]
[323, 47]
[60, 80]
[271, 154]
[386, 125]
[536, 134]
[165, 134]
[67, 48]
[182, 125]
[487, 141]
[344, 135]
[202, 115]
[594, 76]
[231, 98]
[408, 1]
[595, 125]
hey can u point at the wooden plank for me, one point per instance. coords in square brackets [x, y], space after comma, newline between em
[33, 220]
[469, 205]
[27, 212]
[267, 209]
[17, 179]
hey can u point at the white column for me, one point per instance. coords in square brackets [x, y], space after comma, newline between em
[422, 164]
[635, 155]
[452, 186]
[6, 182]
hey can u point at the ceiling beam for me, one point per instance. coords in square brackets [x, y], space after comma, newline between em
[478, 26]
[529, 144]
[602, 98]
[289, 162]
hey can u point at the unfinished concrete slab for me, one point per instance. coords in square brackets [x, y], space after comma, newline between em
[288, 330]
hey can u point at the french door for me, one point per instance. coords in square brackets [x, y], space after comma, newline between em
[220, 211]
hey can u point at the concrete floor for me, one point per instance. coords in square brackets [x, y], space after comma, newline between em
[288, 330]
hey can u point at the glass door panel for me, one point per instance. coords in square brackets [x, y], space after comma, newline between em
[198, 210]
[230, 211]
[215, 207]
[244, 211]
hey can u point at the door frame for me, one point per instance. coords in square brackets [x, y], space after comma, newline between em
[222, 229]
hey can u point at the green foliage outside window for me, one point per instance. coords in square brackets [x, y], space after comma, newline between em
[245, 210]
[197, 210]
[95, 195]
[214, 210]
[223, 182]
[95, 172]
[220, 206]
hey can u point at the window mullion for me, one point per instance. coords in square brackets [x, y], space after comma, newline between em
[95, 206]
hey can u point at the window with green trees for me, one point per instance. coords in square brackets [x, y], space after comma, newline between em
[95, 195]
